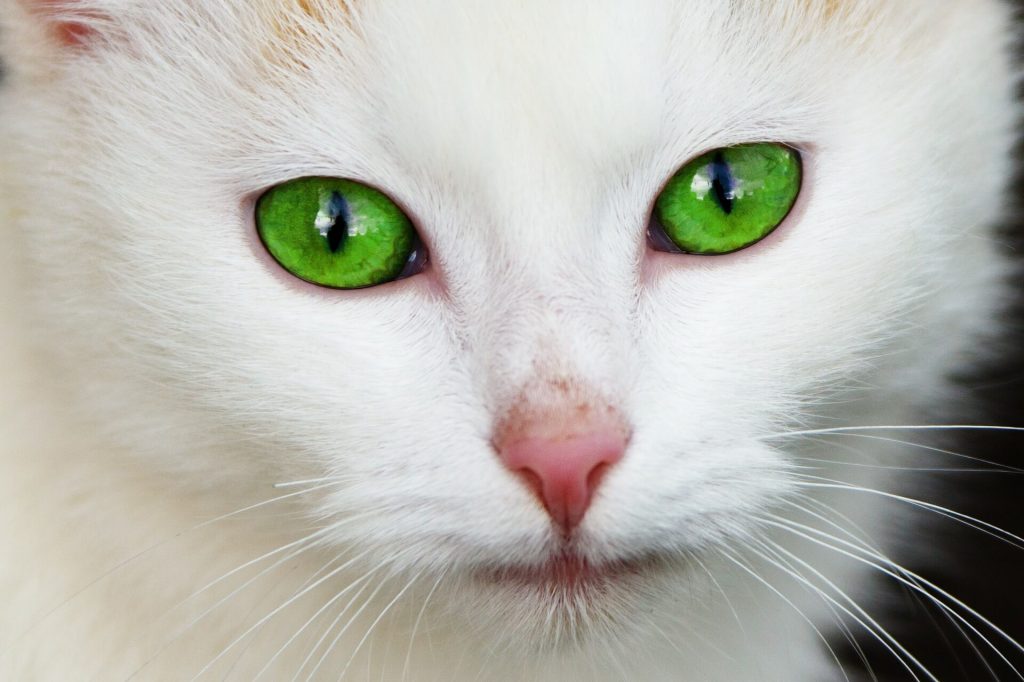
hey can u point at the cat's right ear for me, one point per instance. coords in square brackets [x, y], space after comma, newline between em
[69, 22]
[38, 32]
[35, 34]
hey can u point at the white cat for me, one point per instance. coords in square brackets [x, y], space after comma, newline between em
[533, 428]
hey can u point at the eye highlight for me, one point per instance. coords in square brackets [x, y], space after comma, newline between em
[337, 233]
[727, 199]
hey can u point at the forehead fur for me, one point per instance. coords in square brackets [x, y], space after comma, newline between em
[298, 29]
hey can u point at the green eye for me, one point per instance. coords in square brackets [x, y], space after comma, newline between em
[727, 199]
[337, 233]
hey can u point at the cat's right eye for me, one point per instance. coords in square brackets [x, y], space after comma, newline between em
[338, 233]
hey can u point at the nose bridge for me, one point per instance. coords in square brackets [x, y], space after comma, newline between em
[549, 290]
[544, 337]
[547, 318]
[545, 257]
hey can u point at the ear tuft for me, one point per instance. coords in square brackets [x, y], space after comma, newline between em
[70, 22]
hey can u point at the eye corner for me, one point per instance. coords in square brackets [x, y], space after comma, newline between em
[418, 261]
[657, 239]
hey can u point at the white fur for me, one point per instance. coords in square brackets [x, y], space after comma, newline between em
[162, 372]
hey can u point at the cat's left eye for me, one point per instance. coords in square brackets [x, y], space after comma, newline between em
[338, 233]
[726, 200]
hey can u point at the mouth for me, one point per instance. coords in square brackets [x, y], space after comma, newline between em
[569, 574]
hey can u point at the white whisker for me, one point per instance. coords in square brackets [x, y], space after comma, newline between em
[273, 613]
[896, 427]
[330, 627]
[992, 530]
[906, 577]
[307, 481]
[995, 466]
[380, 616]
[793, 606]
[343, 630]
[305, 625]
[861, 617]
[416, 624]
[223, 600]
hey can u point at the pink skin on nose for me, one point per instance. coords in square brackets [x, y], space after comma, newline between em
[564, 470]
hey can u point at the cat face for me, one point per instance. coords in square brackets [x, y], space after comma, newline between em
[527, 145]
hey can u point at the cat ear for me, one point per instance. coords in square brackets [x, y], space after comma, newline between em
[71, 23]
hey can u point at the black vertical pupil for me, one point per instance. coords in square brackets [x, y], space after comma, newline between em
[339, 229]
[722, 183]
[336, 235]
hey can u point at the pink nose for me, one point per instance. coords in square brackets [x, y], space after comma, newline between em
[565, 471]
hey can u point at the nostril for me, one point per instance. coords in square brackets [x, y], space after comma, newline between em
[597, 475]
[533, 481]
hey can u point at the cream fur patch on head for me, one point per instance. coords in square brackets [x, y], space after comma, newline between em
[297, 27]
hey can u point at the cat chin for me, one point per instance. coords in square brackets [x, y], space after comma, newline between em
[565, 604]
